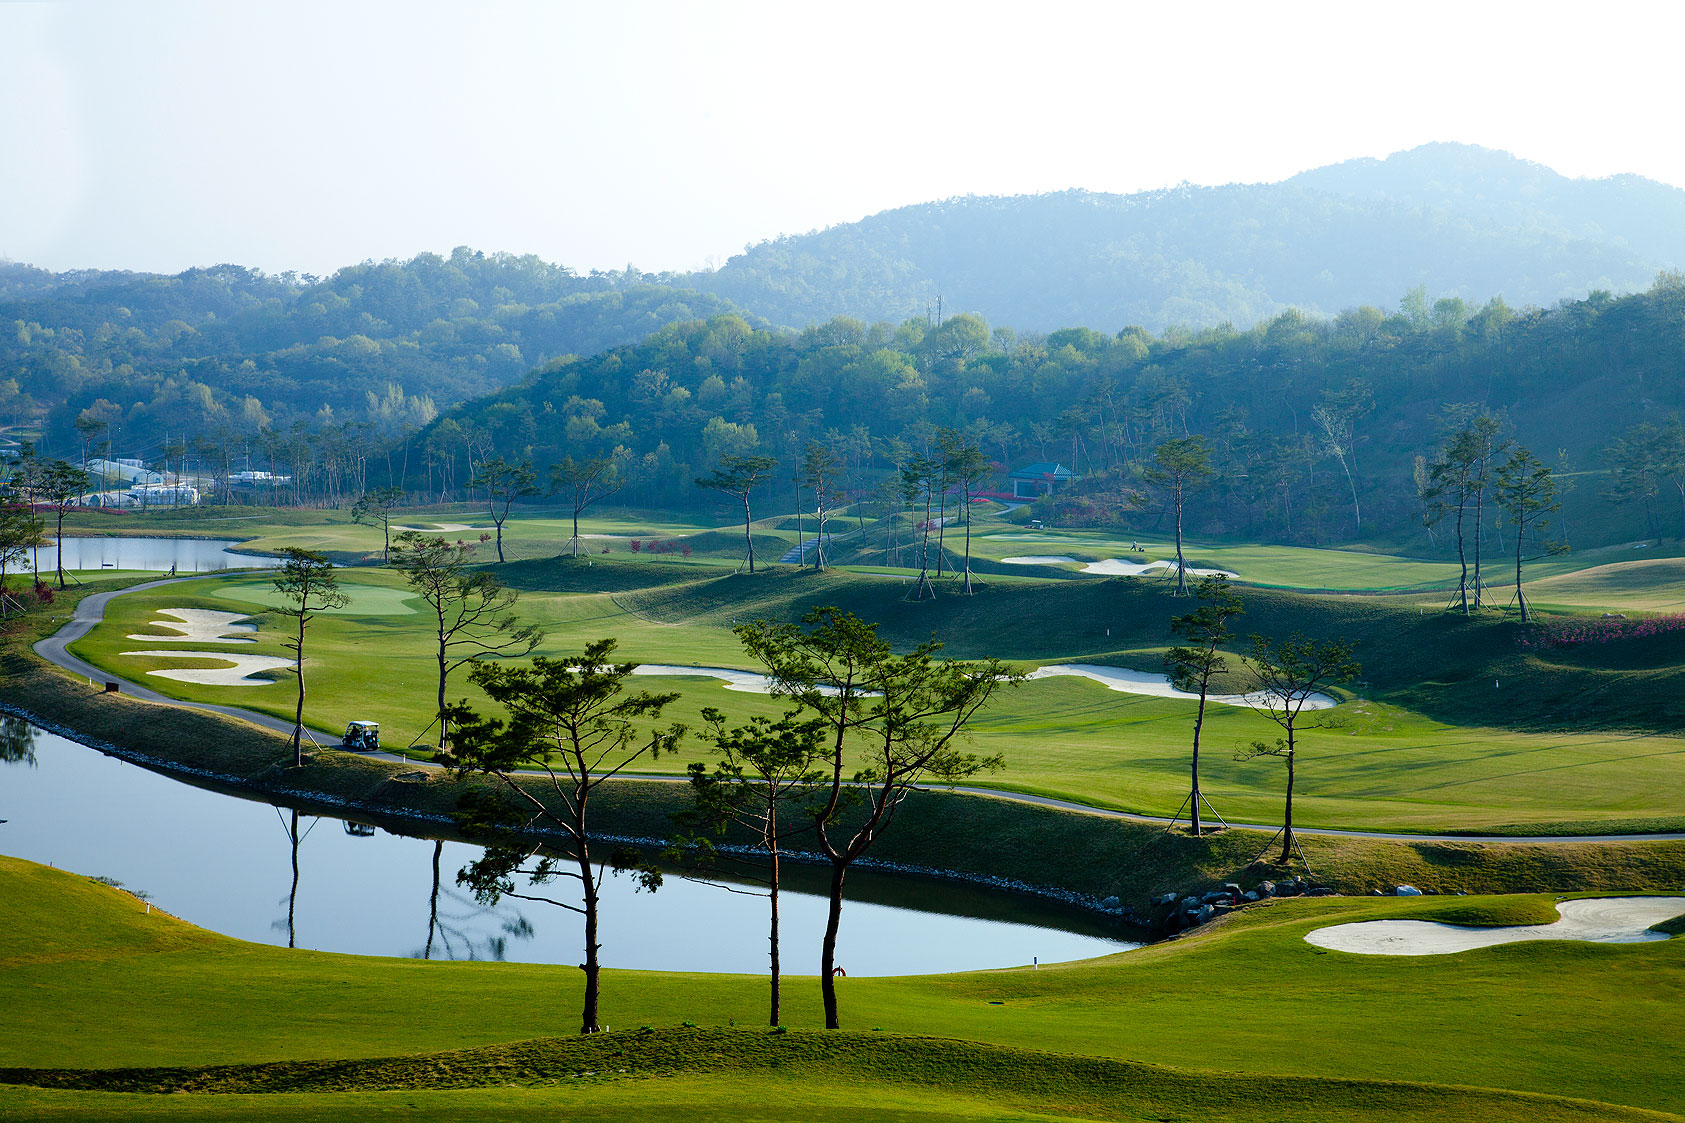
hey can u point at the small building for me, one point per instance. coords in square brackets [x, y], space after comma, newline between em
[1033, 481]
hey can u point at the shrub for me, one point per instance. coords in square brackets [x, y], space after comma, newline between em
[1574, 632]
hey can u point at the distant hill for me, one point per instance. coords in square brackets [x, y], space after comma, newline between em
[1460, 220]
[229, 348]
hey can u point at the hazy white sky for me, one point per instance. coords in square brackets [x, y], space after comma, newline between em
[159, 135]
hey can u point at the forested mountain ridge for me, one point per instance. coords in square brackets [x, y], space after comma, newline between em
[1320, 429]
[228, 347]
[1463, 221]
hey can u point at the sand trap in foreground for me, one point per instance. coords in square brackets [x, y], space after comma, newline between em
[1038, 559]
[1119, 567]
[1601, 920]
[746, 681]
[1158, 686]
[235, 675]
[199, 625]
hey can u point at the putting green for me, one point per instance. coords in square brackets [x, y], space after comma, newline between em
[366, 599]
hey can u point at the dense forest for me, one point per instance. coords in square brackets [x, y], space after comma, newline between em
[1320, 430]
[233, 351]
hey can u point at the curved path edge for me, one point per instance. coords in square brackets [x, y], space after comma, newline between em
[90, 611]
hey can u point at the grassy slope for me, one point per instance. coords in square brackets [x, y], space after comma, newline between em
[1378, 765]
[1246, 996]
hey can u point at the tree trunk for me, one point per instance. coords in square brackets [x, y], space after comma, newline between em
[298, 714]
[576, 526]
[773, 937]
[1479, 533]
[748, 537]
[444, 670]
[588, 1019]
[828, 950]
[967, 496]
[1181, 570]
[1287, 815]
[1462, 558]
[1357, 514]
[1199, 723]
[1520, 597]
[60, 547]
[941, 525]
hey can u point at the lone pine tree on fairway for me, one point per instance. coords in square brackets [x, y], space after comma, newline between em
[376, 507]
[1191, 667]
[307, 586]
[738, 476]
[904, 715]
[585, 481]
[471, 617]
[1527, 493]
[1290, 673]
[764, 765]
[571, 720]
[1179, 468]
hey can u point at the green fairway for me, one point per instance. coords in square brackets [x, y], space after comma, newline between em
[367, 598]
[1650, 585]
[1290, 566]
[1376, 764]
[1065, 1041]
[530, 532]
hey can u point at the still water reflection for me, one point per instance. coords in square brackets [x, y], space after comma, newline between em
[273, 875]
[187, 555]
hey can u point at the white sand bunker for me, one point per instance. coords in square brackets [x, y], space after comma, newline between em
[199, 625]
[236, 674]
[1603, 920]
[1038, 559]
[1158, 686]
[440, 528]
[1121, 567]
[746, 681]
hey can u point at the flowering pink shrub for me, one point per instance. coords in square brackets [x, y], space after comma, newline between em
[636, 545]
[1572, 633]
[686, 550]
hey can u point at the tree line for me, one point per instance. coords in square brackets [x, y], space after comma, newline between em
[1313, 427]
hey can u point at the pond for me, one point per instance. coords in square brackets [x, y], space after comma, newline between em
[187, 555]
[227, 864]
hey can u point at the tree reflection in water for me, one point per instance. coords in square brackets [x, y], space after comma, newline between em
[448, 934]
[287, 924]
[17, 741]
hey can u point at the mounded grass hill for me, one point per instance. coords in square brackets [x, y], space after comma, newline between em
[1492, 1035]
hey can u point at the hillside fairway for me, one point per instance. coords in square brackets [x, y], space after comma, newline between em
[1498, 1034]
[1457, 727]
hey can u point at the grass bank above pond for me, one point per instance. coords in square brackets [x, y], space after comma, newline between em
[1247, 1020]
